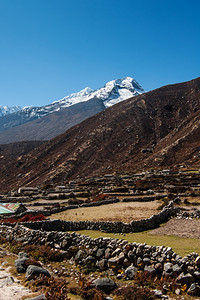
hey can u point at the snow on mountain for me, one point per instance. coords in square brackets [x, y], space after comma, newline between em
[6, 110]
[113, 92]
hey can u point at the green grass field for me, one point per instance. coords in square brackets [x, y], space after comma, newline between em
[181, 246]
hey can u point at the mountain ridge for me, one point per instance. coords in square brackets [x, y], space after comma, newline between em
[159, 129]
[24, 124]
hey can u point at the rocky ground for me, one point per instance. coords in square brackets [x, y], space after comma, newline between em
[10, 286]
[182, 228]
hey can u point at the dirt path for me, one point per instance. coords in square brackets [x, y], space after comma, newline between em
[181, 228]
[10, 287]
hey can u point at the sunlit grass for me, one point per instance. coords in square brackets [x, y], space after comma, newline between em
[181, 246]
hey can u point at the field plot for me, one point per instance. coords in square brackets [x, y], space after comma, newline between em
[182, 228]
[125, 212]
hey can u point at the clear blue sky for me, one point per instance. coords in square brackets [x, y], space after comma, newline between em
[51, 48]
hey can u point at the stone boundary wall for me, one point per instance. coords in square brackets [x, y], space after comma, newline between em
[108, 253]
[59, 209]
[104, 226]
[143, 199]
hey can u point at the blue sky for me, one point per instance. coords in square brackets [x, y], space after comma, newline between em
[51, 48]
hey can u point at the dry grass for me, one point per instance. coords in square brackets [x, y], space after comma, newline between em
[125, 212]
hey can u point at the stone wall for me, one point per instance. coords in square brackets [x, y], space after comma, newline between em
[109, 253]
[112, 227]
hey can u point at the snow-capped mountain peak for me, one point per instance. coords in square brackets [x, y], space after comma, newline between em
[113, 92]
[6, 110]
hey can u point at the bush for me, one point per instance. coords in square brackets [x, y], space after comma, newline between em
[134, 293]
[43, 253]
[54, 288]
[25, 218]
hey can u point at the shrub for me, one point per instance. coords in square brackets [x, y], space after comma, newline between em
[43, 253]
[134, 293]
[57, 289]
[15, 247]
[2, 240]
[75, 201]
[143, 278]
[87, 291]
[53, 287]
[25, 218]
[100, 197]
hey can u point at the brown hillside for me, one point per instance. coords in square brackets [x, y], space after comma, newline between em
[159, 128]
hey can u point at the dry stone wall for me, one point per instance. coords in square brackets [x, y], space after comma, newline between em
[109, 253]
[113, 227]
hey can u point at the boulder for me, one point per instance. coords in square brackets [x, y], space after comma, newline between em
[22, 255]
[130, 272]
[150, 269]
[102, 264]
[34, 271]
[197, 261]
[20, 264]
[185, 278]
[106, 285]
[194, 289]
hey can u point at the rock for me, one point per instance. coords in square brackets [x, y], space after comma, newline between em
[139, 262]
[177, 291]
[114, 263]
[130, 272]
[22, 255]
[197, 274]
[90, 260]
[176, 269]
[8, 281]
[20, 265]
[185, 278]
[126, 263]
[100, 253]
[146, 261]
[158, 293]
[34, 271]
[103, 264]
[131, 255]
[119, 276]
[194, 289]
[80, 255]
[106, 285]
[168, 267]
[150, 269]
[108, 253]
[116, 252]
[197, 261]
[159, 267]
[66, 243]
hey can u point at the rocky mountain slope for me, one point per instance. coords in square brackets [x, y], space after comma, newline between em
[112, 93]
[160, 128]
[52, 124]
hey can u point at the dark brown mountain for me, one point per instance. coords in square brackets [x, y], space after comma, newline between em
[50, 125]
[14, 151]
[158, 129]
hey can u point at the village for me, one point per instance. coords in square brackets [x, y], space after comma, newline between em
[60, 217]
